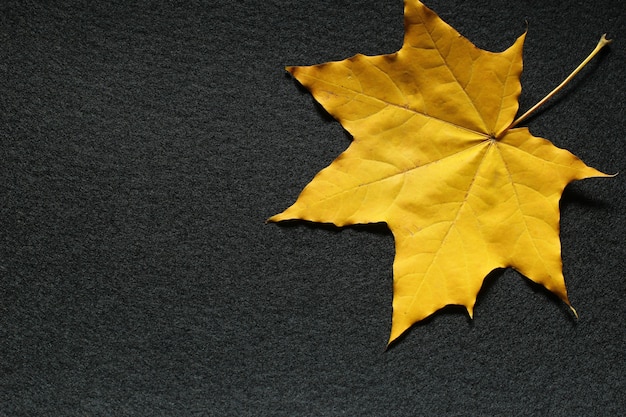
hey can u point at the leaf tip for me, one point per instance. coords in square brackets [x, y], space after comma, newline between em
[599, 174]
[573, 311]
[274, 219]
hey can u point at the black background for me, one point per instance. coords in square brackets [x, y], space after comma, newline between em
[144, 144]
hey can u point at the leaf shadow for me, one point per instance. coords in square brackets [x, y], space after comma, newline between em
[319, 109]
[573, 196]
[380, 228]
[490, 281]
[494, 275]
[566, 312]
[488, 284]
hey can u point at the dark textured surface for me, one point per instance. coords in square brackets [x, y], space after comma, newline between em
[144, 144]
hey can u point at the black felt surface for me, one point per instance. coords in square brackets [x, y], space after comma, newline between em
[143, 146]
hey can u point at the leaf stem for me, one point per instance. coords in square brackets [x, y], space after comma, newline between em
[601, 43]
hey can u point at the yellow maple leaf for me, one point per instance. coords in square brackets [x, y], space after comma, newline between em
[435, 155]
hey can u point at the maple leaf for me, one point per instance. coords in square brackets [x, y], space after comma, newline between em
[435, 155]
